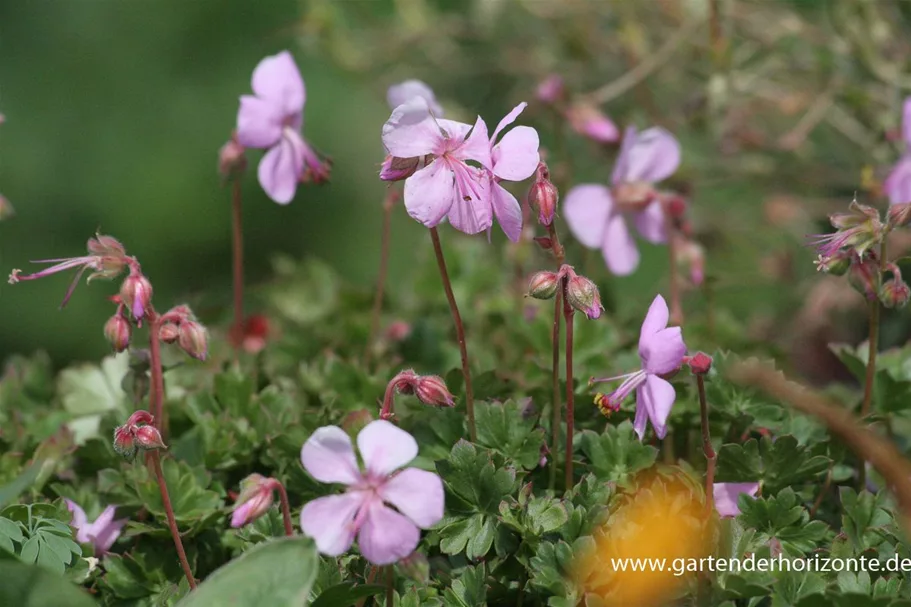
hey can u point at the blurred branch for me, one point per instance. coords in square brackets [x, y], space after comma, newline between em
[639, 73]
[810, 120]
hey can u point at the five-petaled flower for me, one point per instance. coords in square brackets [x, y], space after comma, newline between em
[101, 533]
[661, 350]
[272, 119]
[385, 535]
[726, 495]
[596, 213]
[898, 184]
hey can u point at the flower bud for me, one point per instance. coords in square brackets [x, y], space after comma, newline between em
[582, 294]
[900, 215]
[136, 294]
[587, 120]
[397, 169]
[124, 443]
[398, 331]
[168, 333]
[416, 567]
[178, 314]
[700, 363]
[432, 390]
[140, 417]
[543, 285]
[231, 159]
[148, 438]
[543, 196]
[544, 242]
[551, 89]
[253, 507]
[864, 275]
[193, 339]
[118, 331]
[894, 293]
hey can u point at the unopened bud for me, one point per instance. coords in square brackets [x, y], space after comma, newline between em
[398, 330]
[253, 502]
[582, 294]
[700, 363]
[432, 390]
[136, 294]
[397, 169]
[900, 215]
[550, 90]
[168, 333]
[232, 160]
[193, 339]
[544, 242]
[894, 293]
[543, 285]
[416, 567]
[148, 438]
[140, 417]
[543, 196]
[864, 275]
[587, 120]
[178, 314]
[674, 205]
[118, 331]
[124, 443]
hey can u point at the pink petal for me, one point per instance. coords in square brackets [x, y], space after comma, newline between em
[472, 209]
[586, 210]
[79, 517]
[619, 248]
[259, 122]
[241, 514]
[328, 520]
[403, 92]
[329, 457]
[385, 447]
[653, 156]
[507, 211]
[655, 319]
[662, 352]
[898, 183]
[417, 494]
[508, 119]
[906, 121]
[456, 132]
[727, 494]
[277, 79]
[387, 536]
[476, 147]
[658, 397]
[429, 193]
[621, 166]
[516, 157]
[411, 131]
[640, 422]
[281, 168]
[650, 223]
[106, 537]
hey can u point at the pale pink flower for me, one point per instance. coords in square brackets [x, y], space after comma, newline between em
[447, 186]
[661, 350]
[551, 89]
[589, 121]
[898, 184]
[272, 120]
[404, 92]
[102, 533]
[385, 534]
[596, 214]
[726, 495]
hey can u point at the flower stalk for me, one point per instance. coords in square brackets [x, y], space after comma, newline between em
[388, 205]
[460, 332]
[286, 508]
[560, 256]
[238, 266]
[711, 457]
[172, 523]
[568, 316]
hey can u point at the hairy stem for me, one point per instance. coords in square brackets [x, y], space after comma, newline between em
[238, 251]
[873, 349]
[286, 509]
[172, 523]
[460, 332]
[568, 314]
[387, 411]
[156, 390]
[388, 205]
[707, 449]
[676, 307]
[390, 585]
[555, 371]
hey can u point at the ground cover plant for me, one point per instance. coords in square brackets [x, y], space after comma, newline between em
[490, 427]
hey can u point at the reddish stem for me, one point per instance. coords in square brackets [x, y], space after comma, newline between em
[387, 411]
[156, 390]
[238, 250]
[286, 508]
[172, 523]
[460, 332]
[707, 449]
[676, 307]
[559, 254]
[568, 315]
[388, 205]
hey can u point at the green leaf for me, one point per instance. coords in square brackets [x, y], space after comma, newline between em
[616, 453]
[502, 427]
[777, 464]
[90, 391]
[13, 490]
[280, 572]
[345, 594]
[863, 516]
[783, 518]
[31, 586]
[470, 474]
[469, 590]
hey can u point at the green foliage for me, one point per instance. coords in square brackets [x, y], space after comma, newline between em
[33, 586]
[39, 534]
[777, 464]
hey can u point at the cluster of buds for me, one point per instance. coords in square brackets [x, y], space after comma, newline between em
[429, 389]
[179, 325]
[254, 500]
[139, 433]
[118, 330]
[543, 196]
[580, 292]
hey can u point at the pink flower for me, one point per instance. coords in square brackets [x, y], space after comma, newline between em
[587, 120]
[404, 92]
[272, 120]
[726, 495]
[385, 535]
[551, 89]
[254, 500]
[447, 186]
[514, 158]
[898, 183]
[596, 213]
[102, 533]
[661, 350]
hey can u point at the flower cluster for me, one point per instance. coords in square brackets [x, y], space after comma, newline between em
[180, 325]
[429, 389]
[139, 433]
[580, 292]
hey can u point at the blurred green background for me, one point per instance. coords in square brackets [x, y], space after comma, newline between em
[116, 111]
